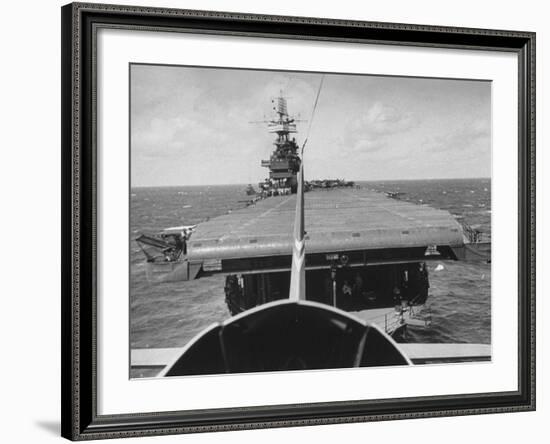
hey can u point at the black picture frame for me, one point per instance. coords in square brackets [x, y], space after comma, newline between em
[79, 170]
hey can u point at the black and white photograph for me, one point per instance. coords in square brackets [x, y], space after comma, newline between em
[275, 222]
[294, 221]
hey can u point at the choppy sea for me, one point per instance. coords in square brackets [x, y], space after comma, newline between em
[170, 314]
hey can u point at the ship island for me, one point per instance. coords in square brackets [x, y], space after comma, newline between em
[366, 254]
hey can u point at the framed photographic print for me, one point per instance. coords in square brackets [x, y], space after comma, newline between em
[275, 221]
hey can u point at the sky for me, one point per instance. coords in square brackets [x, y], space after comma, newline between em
[202, 126]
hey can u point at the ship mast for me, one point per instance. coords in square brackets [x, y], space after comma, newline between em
[298, 270]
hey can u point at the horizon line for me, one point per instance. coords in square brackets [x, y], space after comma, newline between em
[351, 180]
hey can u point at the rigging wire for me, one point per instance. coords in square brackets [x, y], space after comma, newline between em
[312, 115]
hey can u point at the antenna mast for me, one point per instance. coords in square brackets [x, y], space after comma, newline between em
[298, 271]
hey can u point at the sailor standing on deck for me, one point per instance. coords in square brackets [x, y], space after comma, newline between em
[397, 298]
[358, 286]
[347, 295]
[181, 242]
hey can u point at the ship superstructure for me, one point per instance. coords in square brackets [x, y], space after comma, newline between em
[284, 162]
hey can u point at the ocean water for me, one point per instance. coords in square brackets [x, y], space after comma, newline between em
[170, 314]
[460, 294]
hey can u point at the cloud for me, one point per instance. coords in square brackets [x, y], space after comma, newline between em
[192, 125]
[383, 119]
[466, 137]
[369, 146]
